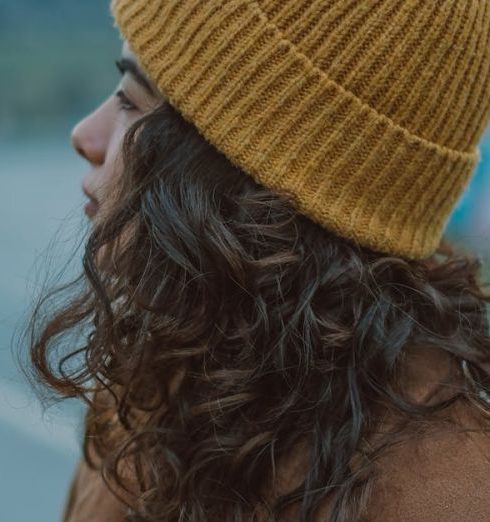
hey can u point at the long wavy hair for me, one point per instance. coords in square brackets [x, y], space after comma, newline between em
[224, 330]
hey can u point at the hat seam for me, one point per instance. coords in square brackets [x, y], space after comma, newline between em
[453, 154]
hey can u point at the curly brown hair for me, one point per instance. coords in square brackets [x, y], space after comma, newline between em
[226, 329]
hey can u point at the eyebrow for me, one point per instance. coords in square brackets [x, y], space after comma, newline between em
[126, 65]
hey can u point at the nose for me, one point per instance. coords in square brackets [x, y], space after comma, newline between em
[89, 138]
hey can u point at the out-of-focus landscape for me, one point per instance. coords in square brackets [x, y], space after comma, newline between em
[57, 60]
[57, 64]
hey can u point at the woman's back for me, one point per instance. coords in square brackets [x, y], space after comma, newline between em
[433, 470]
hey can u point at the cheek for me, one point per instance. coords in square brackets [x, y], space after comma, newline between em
[113, 164]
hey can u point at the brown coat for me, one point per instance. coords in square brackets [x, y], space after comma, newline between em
[444, 476]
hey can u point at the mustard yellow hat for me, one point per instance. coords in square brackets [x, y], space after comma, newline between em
[368, 111]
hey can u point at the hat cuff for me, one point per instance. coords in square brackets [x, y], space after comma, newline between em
[249, 91]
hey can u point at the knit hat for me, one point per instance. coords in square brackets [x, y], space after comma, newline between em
[368, 111]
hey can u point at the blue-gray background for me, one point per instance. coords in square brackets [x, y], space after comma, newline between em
[56, 63]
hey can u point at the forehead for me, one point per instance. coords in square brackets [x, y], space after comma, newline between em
[127, 52]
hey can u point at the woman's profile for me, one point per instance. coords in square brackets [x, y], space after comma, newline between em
[275, 327]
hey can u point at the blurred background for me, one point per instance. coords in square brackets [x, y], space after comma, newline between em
[57, 64]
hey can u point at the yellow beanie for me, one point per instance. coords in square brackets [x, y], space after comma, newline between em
[368, 111]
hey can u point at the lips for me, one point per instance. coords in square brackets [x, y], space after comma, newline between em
[92, 206]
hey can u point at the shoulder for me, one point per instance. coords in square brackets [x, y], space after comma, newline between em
[439, 475]
[442, 475]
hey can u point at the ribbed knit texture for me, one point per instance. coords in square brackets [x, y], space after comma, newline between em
[368, 111]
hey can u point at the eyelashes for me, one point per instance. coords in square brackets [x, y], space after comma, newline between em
[120, 66]
[124, 102]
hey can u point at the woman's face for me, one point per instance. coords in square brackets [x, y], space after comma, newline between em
[98, 137]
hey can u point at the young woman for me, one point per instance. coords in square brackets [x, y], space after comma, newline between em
[273, 328]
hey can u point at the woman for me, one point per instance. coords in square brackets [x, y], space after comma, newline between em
[275, 329]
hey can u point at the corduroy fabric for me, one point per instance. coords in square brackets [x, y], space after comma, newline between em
[368, 111]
